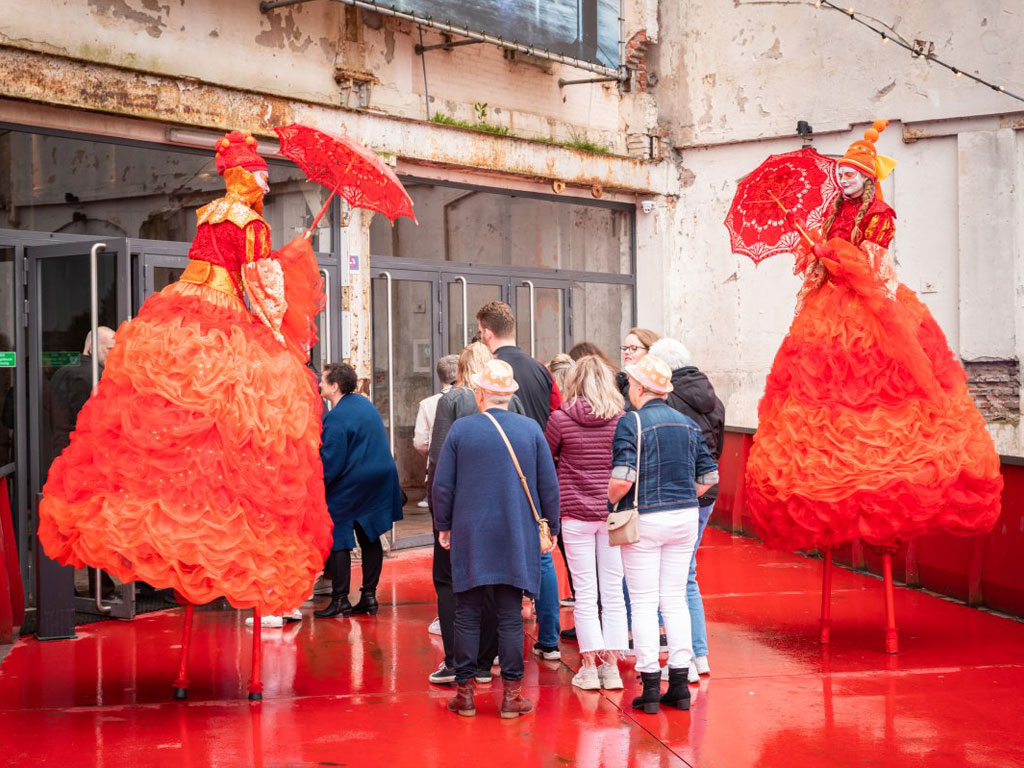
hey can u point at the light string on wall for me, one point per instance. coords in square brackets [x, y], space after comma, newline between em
[918, 49]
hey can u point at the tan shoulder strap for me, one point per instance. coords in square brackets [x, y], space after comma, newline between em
[515, 461]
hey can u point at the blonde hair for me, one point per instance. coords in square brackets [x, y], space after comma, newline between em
[593, 380]
[560, 366]
[472, 360]
[867, 196]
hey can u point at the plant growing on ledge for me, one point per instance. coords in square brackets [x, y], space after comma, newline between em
[481, 125]
[579, 140]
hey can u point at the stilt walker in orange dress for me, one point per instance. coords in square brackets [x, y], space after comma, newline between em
[195, 464]
[866, 430]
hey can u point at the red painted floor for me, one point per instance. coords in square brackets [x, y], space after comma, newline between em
[354, 692]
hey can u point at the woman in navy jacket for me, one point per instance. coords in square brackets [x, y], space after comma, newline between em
[361, 482]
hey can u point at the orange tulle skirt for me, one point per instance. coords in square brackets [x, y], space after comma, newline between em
[866, 428]
[196, 463]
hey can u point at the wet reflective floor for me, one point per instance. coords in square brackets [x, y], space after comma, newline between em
[355, 692]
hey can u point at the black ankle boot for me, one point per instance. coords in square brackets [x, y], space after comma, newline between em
[678, 693]
[339, 607]
[367, 605]
[648, 700]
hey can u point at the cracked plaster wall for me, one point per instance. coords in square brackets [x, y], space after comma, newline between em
[294, 51]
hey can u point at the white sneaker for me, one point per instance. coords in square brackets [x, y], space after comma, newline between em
[611, 680]
[568, 602]
[295, 615]
[273, 622]
[692, 676]
[588, 679]
[549, 654]
[701, 662]
[435, 627]
[423, 504]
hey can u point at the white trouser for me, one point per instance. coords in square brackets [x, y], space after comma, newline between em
[596, 565]
[656, 569]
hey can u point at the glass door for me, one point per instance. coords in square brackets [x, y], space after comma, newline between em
[406, 337]
[543, 310]
[462, 296]
[72, 288]
[158, 270]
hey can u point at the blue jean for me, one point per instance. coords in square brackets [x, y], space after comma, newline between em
[698, 628]
[548, 625]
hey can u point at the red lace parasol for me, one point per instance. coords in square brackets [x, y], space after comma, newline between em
[347, 168]
[798, 185]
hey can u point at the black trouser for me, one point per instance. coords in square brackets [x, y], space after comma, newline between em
[469, 610]
[446, 602]
[565, 559]
[339, 565]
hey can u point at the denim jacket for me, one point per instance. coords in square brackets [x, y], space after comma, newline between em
[673, 458]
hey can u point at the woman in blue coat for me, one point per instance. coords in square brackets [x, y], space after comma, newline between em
[363, 494]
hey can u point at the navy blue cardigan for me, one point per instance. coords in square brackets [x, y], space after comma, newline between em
[360, 476]
[478, 497]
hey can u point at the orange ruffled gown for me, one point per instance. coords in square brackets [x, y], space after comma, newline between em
[866, 428]
[195, 465]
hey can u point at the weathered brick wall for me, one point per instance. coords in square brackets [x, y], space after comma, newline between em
[995, 386]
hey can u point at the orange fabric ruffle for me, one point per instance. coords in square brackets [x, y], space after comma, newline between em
[866, 428]
[196, 463]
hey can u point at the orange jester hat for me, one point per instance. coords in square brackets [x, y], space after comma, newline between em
[866, 430]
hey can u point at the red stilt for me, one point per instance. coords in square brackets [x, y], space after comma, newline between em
[181, 684]
[255, 682]
[826, 597]
[891, 636]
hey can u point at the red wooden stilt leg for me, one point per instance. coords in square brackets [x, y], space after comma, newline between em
[255, 682]
[891, 636]
[826, 597]
[181, 684]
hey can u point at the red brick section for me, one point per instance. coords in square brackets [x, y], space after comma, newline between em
[636, 57]
[995, 387]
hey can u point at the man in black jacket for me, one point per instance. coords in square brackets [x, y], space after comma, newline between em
[497, 328]
[693, 396]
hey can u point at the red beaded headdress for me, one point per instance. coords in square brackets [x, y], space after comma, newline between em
[238, 150]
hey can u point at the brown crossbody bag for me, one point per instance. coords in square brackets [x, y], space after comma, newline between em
[545, 529]
[624, 524]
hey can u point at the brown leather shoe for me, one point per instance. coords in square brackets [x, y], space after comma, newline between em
[512, 702]
[463, 701]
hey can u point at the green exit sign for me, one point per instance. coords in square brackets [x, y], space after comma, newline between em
[59, 359]
[8, 359]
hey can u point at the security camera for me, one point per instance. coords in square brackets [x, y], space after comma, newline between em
[647, 206]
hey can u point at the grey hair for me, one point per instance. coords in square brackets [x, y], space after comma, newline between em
[672, 352]
[447, 369]
[493, 399]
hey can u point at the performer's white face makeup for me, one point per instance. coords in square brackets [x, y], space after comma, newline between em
[851, 181]
[262, 178]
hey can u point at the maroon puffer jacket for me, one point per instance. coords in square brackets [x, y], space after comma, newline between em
[581, 444]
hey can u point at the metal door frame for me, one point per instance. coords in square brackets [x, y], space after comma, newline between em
[563, 284]
[56, 602]
[451, 276]
[149, 255]
[414, 275]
